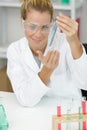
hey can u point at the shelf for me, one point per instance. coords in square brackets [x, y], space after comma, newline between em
[60, 6]
[9, 3]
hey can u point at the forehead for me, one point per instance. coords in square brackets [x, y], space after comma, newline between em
[38, 17]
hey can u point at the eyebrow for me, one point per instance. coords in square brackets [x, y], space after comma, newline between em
[36, 23]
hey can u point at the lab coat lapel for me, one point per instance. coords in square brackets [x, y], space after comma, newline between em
[28, 58]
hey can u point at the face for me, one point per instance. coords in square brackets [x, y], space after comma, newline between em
[37, 26]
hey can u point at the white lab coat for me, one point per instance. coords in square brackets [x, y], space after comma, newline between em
[66, 81]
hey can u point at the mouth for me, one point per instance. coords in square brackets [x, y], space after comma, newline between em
[36, 41]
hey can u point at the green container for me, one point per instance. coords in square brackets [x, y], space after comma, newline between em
[3, 119]
[65, 1]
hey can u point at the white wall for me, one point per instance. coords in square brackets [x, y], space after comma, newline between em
[13, 28]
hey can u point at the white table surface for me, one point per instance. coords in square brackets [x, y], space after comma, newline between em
[33, 118]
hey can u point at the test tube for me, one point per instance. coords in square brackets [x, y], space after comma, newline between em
[84, 106]
[52, 34]
[69, 106]
[84, 126]
[68, 125]
[59, 115]
[58, 111]
[80, 116]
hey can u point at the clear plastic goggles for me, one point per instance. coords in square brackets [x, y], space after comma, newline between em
[34, 27]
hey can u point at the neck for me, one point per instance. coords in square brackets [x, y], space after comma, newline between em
[41, 49]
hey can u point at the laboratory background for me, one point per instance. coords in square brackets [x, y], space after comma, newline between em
[11, 29]
[72, 114]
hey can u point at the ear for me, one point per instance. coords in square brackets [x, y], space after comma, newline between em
[21, 22]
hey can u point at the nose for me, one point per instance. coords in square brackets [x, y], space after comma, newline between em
[38, 33]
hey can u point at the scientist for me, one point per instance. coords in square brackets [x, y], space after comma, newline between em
[36, 69]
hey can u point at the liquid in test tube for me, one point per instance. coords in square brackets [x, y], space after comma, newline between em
[59, 115]
[52, 34]
[84, 124]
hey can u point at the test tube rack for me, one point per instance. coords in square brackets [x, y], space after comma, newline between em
[68, 118]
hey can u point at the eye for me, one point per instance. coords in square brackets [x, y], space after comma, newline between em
[32, 26]
[45, 28]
